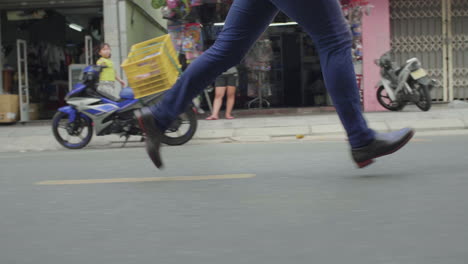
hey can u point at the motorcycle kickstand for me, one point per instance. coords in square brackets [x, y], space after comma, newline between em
[126, 140]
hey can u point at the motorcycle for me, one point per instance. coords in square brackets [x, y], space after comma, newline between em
[88, 109]
[400, 86]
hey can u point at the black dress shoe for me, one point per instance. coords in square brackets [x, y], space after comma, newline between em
[383, 144]
[153, 135]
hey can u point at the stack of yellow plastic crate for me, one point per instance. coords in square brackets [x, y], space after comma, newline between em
[152, 66]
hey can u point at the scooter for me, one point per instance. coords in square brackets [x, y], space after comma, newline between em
[402, 85]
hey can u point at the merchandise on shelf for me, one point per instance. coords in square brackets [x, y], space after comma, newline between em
[187, 39]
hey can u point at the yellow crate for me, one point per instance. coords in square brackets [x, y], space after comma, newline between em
[149, 42]
[149, 67]
[162, 75]
[152, 66]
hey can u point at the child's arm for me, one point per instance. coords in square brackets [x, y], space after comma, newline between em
[122, 82]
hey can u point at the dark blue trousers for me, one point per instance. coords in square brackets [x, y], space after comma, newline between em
[247, 20]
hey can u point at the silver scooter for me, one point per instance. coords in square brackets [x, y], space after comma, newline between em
[400, 86]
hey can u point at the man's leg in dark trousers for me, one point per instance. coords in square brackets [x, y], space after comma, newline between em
[246, 21]
[322, 19]
[324, 22]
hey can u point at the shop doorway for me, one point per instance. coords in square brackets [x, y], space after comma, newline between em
[40, 46]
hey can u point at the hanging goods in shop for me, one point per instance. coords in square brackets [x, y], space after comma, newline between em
[258, 61]
[353, 11]
[187, 39]
[152, 66]
[162, 3]
[174, 9]
[192, 45]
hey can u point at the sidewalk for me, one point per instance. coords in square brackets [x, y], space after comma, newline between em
[38, 136]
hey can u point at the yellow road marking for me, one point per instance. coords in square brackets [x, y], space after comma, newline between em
[339, 140]
[420, 140]
[153, 179]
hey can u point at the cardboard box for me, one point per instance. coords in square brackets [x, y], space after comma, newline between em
[33, 111]
[9, 108]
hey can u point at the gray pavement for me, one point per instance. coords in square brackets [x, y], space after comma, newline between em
[38, 136]
[291, 202]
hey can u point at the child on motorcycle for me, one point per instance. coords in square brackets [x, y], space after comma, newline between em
[108, 74]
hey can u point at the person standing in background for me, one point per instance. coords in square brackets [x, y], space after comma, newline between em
[226, 83]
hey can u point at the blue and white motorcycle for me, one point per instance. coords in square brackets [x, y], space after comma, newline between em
[87, 109]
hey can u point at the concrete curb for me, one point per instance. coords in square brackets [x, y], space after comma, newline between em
[39, 138]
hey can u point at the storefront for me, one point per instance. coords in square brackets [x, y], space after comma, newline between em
[282, 70]
[40, 41]
[46, 44]
[434, 31]
[440, 28]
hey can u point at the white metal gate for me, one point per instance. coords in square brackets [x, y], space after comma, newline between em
[23, 79]
[435, 31]
[89, 50]
[458, 49]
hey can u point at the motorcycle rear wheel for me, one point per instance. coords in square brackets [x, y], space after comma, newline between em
[182, 130]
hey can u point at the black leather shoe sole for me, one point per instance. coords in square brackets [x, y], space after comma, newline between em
[153, 135]
[403, 142]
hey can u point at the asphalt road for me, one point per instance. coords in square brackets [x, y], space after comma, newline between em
[291, 202]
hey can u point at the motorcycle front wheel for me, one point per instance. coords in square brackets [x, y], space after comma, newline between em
[385, 100]
[425, 101]
[72, 135]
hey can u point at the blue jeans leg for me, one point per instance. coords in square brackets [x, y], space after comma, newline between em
[324, 22]
[247, 19]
